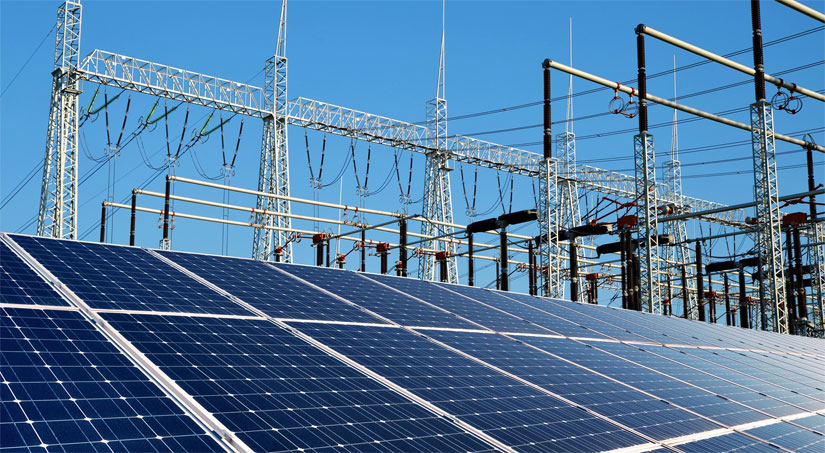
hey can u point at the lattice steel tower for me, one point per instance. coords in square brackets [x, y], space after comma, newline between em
[273, 175]
[58, 196]
[437, 202]
[672, 175]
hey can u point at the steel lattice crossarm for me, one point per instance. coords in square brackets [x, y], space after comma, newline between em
[165, 81]
[144, 76]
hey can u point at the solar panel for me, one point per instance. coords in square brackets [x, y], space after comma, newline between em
[19, 284]
[512, 412]
[554, 324]
[128, 278]
[280, 393]
[645, 378]
[790, 437]
[376, 297]
[65, 387]
[648, 415]
[462, 306]
[273, 292]
[727, 443]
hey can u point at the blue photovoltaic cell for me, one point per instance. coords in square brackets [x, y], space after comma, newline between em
[273, 292]
[462, 306]
[554, 324]
[573, 313]
[769, 369]
[791, 437]
[376, 297]
[19, 284]
[663, 386]
[698, 358]
[815, 422]
[648, 415]
[128, 278]
[514, 413]
[735, 386]
[279, 393]
[728, 443]
[65, 387]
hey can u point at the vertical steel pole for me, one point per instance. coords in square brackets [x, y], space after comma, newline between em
[531, 268]
[442, 270]
[801, 297]
[319, 254]
[132, 221]
[790, 285]
[744, 310]
[103, 222]
[383, 263]
[685, 294]
[402, 250]
[470, 261]
[700, 288]
[623, 267]
[165, 245]
[669, 305]
[505, 265]
[711, 301]
[327, 247]
[363, 251]
[574, 271]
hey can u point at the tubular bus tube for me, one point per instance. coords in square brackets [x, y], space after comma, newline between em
[726, 62]
[674, 105]
[810, 12]
[737, 206]
[268, 227]
[318, 203]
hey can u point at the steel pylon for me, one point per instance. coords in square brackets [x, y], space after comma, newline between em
[769, 236]
[273, 174]
[568, 193]
[646, 202]
[58, 195]
[549, 224]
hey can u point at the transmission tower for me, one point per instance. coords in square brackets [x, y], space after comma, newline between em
[58, 196]
[672, 175]
[437, 202]
[273, 175]
[568, 188]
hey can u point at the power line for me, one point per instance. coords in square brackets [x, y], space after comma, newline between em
[28, 60]
[650, 76]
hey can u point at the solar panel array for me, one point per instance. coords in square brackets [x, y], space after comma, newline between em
[113, 348]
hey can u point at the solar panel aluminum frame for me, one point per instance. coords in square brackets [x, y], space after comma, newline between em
[212, 426]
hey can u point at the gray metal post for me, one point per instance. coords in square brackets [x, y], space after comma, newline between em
[574, 272]
[700, 288]
[685, 294]
[744, 310]
[728, 314]
[470, 262]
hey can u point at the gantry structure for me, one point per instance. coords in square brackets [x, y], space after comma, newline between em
[560, 177]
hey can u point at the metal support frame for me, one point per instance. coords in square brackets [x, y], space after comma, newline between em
[57, 216]
[549, 225]
[273, 175]
[568, 191]
[766, 196]
[647, 204]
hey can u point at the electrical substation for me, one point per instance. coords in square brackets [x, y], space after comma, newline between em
[576, 308]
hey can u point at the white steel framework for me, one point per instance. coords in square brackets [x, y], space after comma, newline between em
[273, 174]
[766, 196]
[58, 196]
[568, 191]
[817, 253]
[437, 201]
[549, 221]
[646, 202]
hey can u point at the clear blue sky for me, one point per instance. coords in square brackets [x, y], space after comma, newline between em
[382, 57]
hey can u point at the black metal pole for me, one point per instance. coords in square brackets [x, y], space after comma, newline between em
[132, 222]
[402, 250]
[103, 222]
[758, 62]
[442, 267]
[595, 289]
[531, 264]
[319, 254]
[685, 294]
[383, 263]
[744, 311]
[548, 137]
[623, 268]
[574, 271]
[327, 247]
[728, 314]
[363, 251]
[711, 301]
[669, 305]
[642, 78]
[505, 267]
[811, 182]
[340, 261]
[801, 299]
[278, 252]
[700, 288]
[790, 286]
[166, 211]
[637, 281]
[470, 261]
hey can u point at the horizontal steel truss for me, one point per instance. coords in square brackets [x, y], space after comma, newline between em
[165, 81]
